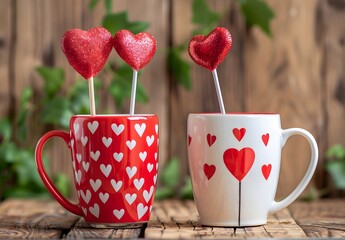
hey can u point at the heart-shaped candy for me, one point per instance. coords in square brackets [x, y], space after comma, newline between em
[209, 51]
[87, 51]
[136, 50]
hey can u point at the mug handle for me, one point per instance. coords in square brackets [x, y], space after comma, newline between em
[73, 208]
[276, 206]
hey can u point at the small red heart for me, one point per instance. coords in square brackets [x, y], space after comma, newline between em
[239, 162]
[209, 51]
[87, 51]
[189, 140]
[136, 50]
[211, 139]
[266, 170]
[239, 133]
[209, 170]
[265, 138]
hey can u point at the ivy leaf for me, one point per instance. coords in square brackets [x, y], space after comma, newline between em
[53, 79]
[92, 4]
[117, 21]
[257, 12]
[179, 68]
[24, 113]
[336, 152]
[57, 111]
[171, 173]
[121, 86]
[108, 5]
[336, 169]
[202, 14]
[187, 189]
[164, 193]
[5, 130]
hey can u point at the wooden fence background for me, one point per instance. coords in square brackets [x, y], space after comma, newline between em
[299, 72]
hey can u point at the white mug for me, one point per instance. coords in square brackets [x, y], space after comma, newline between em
[234, 161]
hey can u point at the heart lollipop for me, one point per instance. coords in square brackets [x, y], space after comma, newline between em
[209, 51]
[87, 52]
[137, 51]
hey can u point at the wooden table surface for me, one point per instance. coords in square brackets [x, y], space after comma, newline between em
[170, 219]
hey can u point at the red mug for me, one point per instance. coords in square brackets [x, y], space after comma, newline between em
[115, 164]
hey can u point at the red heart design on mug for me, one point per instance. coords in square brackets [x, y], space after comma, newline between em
[209, 51]
[87, 51]
[239, 162]
[209, 170]
[189, 140]
[266, 170]
[135, 50]
[265, 138]
[211, 139]
[239, 133]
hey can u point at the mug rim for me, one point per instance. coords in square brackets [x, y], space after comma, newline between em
[236, 114]
[115, 115]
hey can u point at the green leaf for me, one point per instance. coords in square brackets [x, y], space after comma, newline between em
[62, 183]
[117, 21]
[92, 4]
[78, 96]
[24, 113]
[257, 13]
[179, 68]
[5, 130]
[53, 79]
[164, 193]
[108, 5]
[336, 169]
[202, 14]
[187, 189]
[171, 173]
[57, 112]
[336, 152]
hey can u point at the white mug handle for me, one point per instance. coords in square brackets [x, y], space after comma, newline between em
[276, 206]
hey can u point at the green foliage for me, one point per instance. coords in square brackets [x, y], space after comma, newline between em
[336, 165]
[117, 21]
[170, 179]
[257, 13]
[203, 17]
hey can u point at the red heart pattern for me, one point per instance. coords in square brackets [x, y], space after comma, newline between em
[265, 138]
[209, 51]
[87, 51]
[209, 170]
[115, 167]
[136, 50]
[266, 170]
[239, 162]
[211, 139]
[189, 140]
[239, 133]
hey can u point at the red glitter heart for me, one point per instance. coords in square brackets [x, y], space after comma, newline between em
[135, 50]
[87, 51]
[209, 51]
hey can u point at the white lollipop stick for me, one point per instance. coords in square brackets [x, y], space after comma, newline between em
[133, 93]
[92, 97]
[219, 93]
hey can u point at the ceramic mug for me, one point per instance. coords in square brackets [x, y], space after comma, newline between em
[115, 163]
[234, 161]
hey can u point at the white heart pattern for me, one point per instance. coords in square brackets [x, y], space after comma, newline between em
[79, 157]
[76, 128]
[118, 156]
[104, 197]
[140, 128]
[78, 176]
[84, 210]
[139, 183]
[95, 155]
[107, 141]
[105, 169]
[116, 185]
[86, 166]
[149, 140]
[147, 195]
[85, 196]
[92, 126]
[149, 167]
[119, 213]
[130, 198]
[142, 156]
[131, 171]
[94, 210]
[156, 155]
[72, 143]
[118, 129]
[141, 210]
[131, 144]
[155, 179]
[156, 128]
[95, 184]
[84, 140]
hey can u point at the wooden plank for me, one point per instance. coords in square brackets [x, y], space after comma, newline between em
[173, 219]
[83, 231]
[34, 219]
[281, 75]
[322, 218]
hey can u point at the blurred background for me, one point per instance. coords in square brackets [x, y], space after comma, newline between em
[287, 57]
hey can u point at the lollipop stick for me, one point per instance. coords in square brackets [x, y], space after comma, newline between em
[92, 97]
[133, 93]
[219, 93]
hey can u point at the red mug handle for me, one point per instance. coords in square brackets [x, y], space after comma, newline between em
[73, 208]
